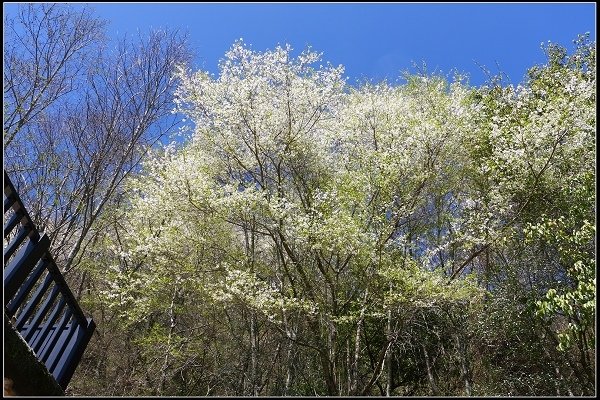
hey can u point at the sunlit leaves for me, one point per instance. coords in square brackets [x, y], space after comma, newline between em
[302, 204]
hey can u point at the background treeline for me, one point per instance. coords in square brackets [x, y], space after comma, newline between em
[303, 236]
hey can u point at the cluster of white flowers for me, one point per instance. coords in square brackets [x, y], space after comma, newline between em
[239, 285]
[288, 164]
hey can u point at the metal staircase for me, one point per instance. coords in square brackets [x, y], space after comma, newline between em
[37, 299]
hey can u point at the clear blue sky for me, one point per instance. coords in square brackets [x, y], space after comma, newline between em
[372, 40]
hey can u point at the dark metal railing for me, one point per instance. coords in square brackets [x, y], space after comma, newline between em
[36, 297]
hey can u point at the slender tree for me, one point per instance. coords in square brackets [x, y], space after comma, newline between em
[80, 117]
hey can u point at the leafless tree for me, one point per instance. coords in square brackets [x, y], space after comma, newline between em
[79, 117]
[46, 50]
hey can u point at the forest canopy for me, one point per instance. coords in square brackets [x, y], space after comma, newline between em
[315, 238]
[305, 236]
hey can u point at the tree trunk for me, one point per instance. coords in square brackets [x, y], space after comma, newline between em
[328, 374]
[464, 365]
[253, 354]
[354, 366]
[430, 376]
[388, 357]
[166, 362]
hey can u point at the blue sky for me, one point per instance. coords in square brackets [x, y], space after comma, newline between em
[372, 40]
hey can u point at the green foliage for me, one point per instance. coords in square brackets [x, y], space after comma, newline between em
[316, 238]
